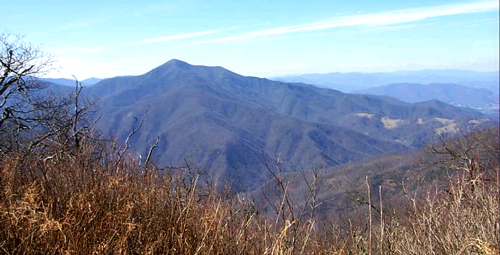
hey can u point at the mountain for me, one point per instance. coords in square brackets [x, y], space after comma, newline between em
[339, 189]
[232, 125]
[91, 81]
[71, 82]
[454, 94]
[350, 82]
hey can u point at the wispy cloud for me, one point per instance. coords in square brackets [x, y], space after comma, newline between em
[94, 50]
[377, 29]
[378, 19]
[176, 37]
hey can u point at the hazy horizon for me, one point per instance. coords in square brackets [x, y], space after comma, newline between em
[54, 75]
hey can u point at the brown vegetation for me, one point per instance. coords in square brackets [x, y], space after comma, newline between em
[86, 205]
[56, 201]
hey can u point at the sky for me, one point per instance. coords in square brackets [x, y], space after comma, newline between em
[101, 38]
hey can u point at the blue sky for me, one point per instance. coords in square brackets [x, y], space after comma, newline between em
[259, 38]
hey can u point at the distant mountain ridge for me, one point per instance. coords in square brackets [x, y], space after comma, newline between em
[454, 94]
[231, 124]
[350, 82]
[71, 82]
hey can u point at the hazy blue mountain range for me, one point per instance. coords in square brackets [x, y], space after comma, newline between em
[231, 124]
[350, 82]
[71, 82]
[454, 94]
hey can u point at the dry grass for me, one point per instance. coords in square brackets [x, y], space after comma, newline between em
[456, 220]
[93, 203]
[76, 205]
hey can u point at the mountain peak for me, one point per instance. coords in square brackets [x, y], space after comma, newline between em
[173, 65]
[177, 63]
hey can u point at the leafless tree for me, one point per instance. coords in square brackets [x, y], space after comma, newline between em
[31, 115]
[20, 65]
[473, 157]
